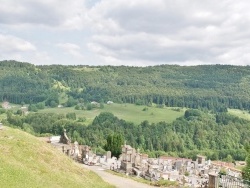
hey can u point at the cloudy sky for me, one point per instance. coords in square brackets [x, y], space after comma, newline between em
[125, 32]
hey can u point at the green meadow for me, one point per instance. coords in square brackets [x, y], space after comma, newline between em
[240, 113]
[129, 112]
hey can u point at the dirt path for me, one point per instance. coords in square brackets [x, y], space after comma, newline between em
[117, 181]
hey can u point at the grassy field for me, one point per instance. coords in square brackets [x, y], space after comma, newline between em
[86, 69]
[128, 112]
[240, 113]
[27, 162]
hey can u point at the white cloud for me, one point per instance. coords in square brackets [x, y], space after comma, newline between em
[236, 56]
[172, 31]
[51, 13]
[12, 44]
[15, 48]
[129, 32]
[72, 49]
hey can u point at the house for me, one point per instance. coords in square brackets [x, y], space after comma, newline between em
[110, 102]
[54, 139]
[95, 104]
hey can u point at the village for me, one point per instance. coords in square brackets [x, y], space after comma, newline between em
[188, 173]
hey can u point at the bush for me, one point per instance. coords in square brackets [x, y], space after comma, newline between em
[81, 119]
[71, 102]
[71, 116]
[77, 107]
[40, 105]
[32, 108]
[53, 104]
[2, 111]
[222, 172]
[164, 183]
[192, 112]
[19, 112]
[89, 106]
[186, 173]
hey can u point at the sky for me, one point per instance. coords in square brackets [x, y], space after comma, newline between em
[125, 32]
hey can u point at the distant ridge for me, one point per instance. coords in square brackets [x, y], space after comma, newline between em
[213, 87]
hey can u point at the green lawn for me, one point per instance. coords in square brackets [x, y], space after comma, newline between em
[128, 112]
[28, 162]
[240, 113]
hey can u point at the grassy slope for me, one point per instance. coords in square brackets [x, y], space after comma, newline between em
[26, 161]
[128, 112]
[240, 113]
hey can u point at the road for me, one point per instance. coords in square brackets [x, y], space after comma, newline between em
[117, 181]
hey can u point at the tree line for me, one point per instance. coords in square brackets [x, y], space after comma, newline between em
[218, 136]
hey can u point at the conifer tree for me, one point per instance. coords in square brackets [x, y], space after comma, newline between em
[114, 143]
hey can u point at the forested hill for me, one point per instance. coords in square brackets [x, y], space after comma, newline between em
[206, 86]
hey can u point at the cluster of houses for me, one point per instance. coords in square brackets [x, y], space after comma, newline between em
[6, 105]
[93, 103]
[186, 172]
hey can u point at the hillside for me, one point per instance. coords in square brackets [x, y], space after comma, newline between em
[214, 87]
[25, 161]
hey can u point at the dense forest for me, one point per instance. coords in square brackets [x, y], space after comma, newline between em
[214, 87]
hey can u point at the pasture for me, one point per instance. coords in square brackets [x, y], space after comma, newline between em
[240, 113]
[129, 112]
